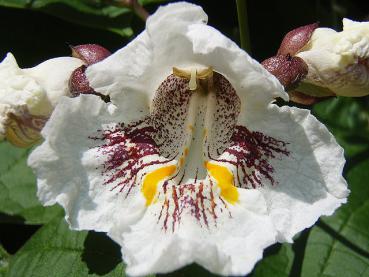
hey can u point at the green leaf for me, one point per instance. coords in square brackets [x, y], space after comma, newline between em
[4, 261]
[91, 13]
[190, 270]
[339, 245]
[18, 187]
[347, 119]
[55, 248]
[277, 262]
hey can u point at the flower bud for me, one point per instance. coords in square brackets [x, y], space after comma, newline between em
[338, 62]
[28, 96]
[78, 84]
[296, 39]
[90, 53]
[288, 70]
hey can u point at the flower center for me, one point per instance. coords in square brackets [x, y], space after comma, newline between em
[189, 155]
[194, 101]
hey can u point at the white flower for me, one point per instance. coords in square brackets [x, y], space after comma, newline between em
[191, 162]
[28, 96]
[338, 61]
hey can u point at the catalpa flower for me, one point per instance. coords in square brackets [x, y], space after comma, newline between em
[28, 96]
[191, 161]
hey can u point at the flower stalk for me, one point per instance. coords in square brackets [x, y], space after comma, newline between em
[134, 5]
[243, 25]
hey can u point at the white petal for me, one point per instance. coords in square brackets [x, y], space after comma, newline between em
[17, 89]
[231, 248]
[66, 167]
[124, 70]
[32, 92]
[310, 182]
[53, 75]
[18, 92]
[140, 67]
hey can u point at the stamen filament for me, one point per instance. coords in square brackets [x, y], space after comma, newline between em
[193, 83]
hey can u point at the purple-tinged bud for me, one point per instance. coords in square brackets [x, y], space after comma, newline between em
[296, 39]
[90, 53]
[78, 84]
[288, 70]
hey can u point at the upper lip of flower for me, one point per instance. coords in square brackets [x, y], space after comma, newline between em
[164, 168]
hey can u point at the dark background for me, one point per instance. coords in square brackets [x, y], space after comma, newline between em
[35, 36]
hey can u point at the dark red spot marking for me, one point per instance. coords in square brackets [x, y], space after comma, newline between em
[253, 152]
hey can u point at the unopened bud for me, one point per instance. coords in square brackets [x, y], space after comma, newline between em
[78, 84]
[296, 39]
[90, 53]
[288, 70]
[28, 96]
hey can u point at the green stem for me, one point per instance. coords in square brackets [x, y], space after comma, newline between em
[134, 5]
[243, 25]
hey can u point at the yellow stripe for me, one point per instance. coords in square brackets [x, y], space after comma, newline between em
[152, 179]
[225, 182]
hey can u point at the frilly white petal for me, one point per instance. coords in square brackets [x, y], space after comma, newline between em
[53, 75]
[123, 70]
[35, 90]
[65, 152]
[18, 91]
[232, 248]
[310, 182]
[179, 29]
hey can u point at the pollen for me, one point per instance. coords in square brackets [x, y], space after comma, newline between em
[152, 179]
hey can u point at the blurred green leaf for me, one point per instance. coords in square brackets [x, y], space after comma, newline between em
[4, 261]
[55, 248]
[18, 188]
[348, 120]
[92, 13]
[339, 245]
